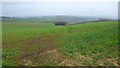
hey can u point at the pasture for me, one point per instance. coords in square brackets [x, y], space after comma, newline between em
[44, 44]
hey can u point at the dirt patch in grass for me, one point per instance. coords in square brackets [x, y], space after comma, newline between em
[48, 55]
[28, 62]
[108, 62]
[38, 53]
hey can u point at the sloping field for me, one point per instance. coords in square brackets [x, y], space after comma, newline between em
[38, 44]
[50, 19]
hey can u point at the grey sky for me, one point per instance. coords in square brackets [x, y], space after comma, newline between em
[93, 9]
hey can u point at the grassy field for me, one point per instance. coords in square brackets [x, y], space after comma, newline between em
[38, 44]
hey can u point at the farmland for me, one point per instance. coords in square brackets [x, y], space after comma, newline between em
[44, 44]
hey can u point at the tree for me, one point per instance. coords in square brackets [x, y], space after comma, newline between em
[61, 23]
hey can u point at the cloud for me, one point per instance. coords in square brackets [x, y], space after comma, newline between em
[96, 9]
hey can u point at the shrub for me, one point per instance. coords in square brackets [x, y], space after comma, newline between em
[61, 23]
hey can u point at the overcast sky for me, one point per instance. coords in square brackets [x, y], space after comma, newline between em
[93, 8]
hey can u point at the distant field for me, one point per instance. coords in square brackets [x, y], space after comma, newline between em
[49, 19]
[38, 44]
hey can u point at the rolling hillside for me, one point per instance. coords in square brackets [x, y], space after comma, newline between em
[44, 44]
[69, 19]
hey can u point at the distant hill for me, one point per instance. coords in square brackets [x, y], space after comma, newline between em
[69, 19]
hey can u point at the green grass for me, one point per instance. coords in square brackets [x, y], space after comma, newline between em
[20, 27]
[94, 43]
